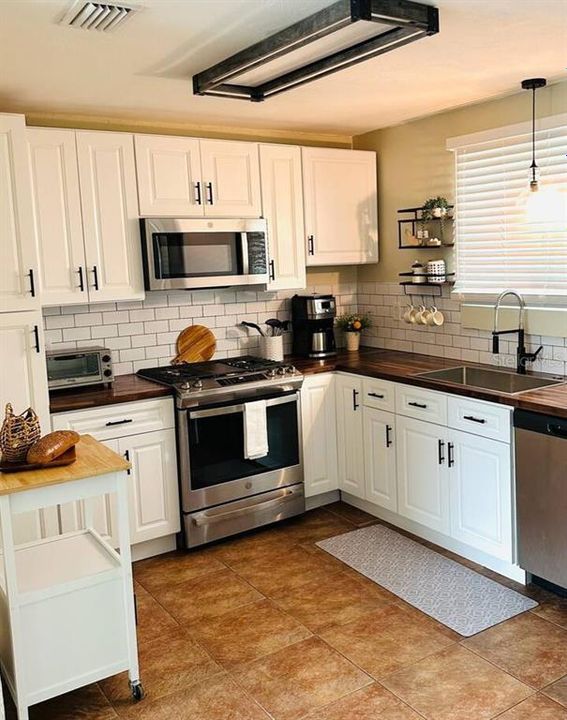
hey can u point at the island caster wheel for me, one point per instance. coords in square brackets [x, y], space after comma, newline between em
[137, 690]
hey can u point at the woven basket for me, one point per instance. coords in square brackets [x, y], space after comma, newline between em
[18, 434]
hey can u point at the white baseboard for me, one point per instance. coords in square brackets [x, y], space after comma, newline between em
[150, 548]
[327, 498]
[500, 566]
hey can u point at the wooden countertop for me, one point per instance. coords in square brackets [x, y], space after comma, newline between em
[93, 458]
[403, 367]
[125, 388]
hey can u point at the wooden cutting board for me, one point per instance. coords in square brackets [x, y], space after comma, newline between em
[195, 344]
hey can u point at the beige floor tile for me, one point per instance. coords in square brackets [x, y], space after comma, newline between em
[261, 543]
[207, 596]
[351, 514]
[313, 526]
[385, 641]
[248, 632]
[456, 684]
[536, 707]
[558, 691]
[336, 601]
[153, 620]
[531, 649]
[216, 699]
[371, 703]
[167, 570]
[300, 678]
[554, 611]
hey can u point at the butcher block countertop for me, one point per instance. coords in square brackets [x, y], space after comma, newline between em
[386, 364]
[93, 458]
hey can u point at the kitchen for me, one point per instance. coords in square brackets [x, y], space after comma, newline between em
[305, 528]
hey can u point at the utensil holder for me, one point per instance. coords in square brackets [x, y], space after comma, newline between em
[271, 348]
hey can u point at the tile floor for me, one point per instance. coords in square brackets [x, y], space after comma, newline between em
[270, 626]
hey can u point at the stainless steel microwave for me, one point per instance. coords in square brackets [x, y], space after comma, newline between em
[75, 368]
[201, 253]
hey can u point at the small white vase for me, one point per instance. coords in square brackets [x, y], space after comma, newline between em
[352, 341]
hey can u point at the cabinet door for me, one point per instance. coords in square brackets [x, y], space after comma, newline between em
[380, 458]
[350, 435]
[58, 227]
[23, 373]
[110, 216]
[318, 413]
[340, 198]
[282, 201]
[480, 479]
[18, 260]
[423, 493]
[153, 488]
[231, 177]
[169, 176]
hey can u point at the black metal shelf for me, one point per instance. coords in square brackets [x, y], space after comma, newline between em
[416, 220]
[438, 285]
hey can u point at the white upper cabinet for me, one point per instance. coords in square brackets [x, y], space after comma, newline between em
[282, 200]
[340, 196]
[231, 179]
[169, 176]
[58, 227]
[109, 204]
[18, 259]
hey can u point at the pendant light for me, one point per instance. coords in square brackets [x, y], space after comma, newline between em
[534, 84]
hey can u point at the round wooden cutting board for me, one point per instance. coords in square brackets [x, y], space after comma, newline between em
[195, 344]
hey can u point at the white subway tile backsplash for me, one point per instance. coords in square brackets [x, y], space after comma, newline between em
[88, 319]
[132, 354]
[115, 317]
[80, 333]
[129, 328]
[141, 315]
[52, 322]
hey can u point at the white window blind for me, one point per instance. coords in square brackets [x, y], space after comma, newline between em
[497, 246]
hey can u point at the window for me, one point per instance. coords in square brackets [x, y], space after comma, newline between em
[499, 245]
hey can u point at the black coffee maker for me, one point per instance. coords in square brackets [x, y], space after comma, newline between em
[312, 319]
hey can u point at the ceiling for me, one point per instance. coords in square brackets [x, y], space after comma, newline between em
[144, 69]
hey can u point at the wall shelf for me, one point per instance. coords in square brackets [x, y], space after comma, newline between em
[437, 226]
[427, 284]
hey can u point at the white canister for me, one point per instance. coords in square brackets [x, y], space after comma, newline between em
[271, 348]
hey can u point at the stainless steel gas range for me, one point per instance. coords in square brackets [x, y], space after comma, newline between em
[224, 489]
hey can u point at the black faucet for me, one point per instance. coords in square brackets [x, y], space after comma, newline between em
[522, 356]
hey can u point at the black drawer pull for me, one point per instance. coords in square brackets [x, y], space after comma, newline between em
[376, 395]
[118, 422]
[81, 279]
[355, 405]
[209, 188]
[418, 405]
[32, 282]
[198, 199]
[388, 438]
[310, 247]
[440, 451]
[474, 419]
[95, 277]
[36, 336]
[127, 457]
[451, 459]
[272, 270]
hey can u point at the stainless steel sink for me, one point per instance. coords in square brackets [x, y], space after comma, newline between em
[499, 380]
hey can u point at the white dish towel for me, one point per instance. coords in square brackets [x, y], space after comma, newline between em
[255, 430]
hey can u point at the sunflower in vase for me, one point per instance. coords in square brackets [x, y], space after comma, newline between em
[352, 326]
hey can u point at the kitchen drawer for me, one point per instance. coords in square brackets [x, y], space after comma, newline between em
[115, 421]
[480, 418]
[421, 404]
[379, 394]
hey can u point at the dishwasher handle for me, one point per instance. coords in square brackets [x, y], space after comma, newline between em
[557, 430]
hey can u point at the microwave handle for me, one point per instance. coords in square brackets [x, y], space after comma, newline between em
[244, 250]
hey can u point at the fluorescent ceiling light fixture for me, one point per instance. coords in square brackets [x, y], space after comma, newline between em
[343, 34]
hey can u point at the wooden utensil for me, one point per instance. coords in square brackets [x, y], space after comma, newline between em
[195, 344]
[66, 458]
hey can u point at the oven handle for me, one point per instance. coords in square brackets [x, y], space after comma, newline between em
[231, 409]
[254, 505]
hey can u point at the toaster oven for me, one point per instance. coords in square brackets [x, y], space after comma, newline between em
[77, 368]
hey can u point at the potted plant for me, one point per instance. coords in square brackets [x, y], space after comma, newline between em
[436, 208]
[352, 325]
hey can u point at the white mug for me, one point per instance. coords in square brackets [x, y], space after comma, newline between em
[435, 317]
[409, 315]
[421, 315]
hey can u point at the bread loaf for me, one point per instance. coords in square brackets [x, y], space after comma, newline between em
[51, 446]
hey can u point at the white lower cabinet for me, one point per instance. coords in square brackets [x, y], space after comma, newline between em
[350, 434]
[480, 492]
[380, 458]
[422, 473]
[318, 419]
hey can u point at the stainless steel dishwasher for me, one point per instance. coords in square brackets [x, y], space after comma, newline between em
[541, 493]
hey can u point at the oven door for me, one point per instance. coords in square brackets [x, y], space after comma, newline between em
[213, 468]
[183, 254]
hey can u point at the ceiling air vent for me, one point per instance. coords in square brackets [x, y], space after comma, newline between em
[97, 16]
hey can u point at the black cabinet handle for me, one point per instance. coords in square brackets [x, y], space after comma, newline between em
[272, 270]
[440, 451]
[450, 450]
[355, 405]
[310, 245]
[118, 422]
[198, 199]
[417, 405]
[127, 457]
[474, 419]
[209, 188]
[32, 282]
[388, 438]
[81, 279]
[95, 277]
[376, 395]
[36, 336]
